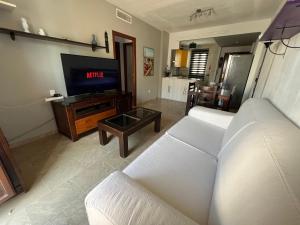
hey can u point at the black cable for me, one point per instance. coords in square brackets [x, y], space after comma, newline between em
[288, 46]
[30, 130]
[282, 41]
[275, 53]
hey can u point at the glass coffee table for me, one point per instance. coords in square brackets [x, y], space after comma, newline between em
[125, 124]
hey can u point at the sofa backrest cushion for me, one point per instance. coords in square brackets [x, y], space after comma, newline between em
[257, 179]
[252, 111]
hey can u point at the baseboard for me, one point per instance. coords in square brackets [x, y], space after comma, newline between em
[30, 140]
[145, 102]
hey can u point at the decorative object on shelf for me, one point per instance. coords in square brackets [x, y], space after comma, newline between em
[14, 33]
[7, 6]
[148, 61]
[25, 25]
[52, 92]
[42, 32]
[202, 12]
[94, 41]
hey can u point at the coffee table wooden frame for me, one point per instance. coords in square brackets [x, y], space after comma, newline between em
[123, 133]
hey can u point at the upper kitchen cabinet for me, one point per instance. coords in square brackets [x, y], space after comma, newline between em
[179, 58]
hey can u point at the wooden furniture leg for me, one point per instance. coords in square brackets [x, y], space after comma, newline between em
[103, 137]
[123, 144]
[157, 124]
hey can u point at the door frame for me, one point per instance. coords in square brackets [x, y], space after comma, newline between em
[133, 39]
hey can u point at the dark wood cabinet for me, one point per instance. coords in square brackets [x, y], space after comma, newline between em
[6, 187]
[78, 115]
[10, 180]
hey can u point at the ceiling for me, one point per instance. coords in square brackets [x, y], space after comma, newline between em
[226, 41]
[203, 41]
[237, 40]
[173, 15]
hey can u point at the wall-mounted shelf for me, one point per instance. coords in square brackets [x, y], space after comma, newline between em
[7, 6]
[14, 33]
[286, 23]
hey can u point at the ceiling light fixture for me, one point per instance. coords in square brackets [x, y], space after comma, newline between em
[202, 12]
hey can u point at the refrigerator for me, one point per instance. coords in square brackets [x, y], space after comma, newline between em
[236, 76]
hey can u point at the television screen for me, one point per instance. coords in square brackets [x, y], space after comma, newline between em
[84, 74]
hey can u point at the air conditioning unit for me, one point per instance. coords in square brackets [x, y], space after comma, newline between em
[120, 14]
[7, 6]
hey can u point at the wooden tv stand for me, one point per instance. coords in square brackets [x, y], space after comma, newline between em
[78, 115]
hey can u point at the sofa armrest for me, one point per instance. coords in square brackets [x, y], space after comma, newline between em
[216, 117]
[118, 200]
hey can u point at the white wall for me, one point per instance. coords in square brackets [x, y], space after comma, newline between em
[29, 68]
[257, 61]
[280, 80]
[164, 45]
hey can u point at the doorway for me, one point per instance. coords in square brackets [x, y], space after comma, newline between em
[125, 52]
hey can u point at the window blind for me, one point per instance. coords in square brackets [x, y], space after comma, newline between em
[198, 63]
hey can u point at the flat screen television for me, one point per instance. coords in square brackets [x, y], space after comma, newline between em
[85, 74]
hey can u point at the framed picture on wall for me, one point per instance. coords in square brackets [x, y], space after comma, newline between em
[148, 61]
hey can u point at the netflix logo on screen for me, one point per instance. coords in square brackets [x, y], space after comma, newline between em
[94, 74]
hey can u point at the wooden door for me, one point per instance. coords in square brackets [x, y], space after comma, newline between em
[116, 34]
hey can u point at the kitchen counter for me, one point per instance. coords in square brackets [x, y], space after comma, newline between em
[176, 88]
[181, 77]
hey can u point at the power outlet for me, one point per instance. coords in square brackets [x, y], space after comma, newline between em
[149, 91]
[52, 92]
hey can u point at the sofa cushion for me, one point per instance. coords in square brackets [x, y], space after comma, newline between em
[201, 135]
[252, 111]
[212, 116]
[120, 200]
[181, 175]
[257, 181]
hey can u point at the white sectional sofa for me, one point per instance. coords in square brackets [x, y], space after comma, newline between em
[212, 167]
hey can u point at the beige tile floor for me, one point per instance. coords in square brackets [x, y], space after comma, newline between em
[59, 173]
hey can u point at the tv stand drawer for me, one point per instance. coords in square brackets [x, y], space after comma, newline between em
[90, 122]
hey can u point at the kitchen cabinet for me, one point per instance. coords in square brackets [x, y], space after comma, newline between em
[174, 88]
[179, 58]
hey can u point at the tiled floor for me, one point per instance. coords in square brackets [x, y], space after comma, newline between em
[60, 173]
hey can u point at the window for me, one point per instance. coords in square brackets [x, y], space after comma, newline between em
[198, 63]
